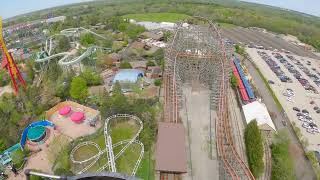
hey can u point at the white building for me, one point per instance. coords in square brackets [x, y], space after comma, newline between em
[56, 19]
[258, 111]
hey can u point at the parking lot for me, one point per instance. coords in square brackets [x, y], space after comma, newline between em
[265, 39]
[295, 81]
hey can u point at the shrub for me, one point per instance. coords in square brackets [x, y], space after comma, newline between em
[79, 89]
[233, 81]
[282, 162]
[157, 82]
[254, 148]
[91, 77]
[150, 63]
[125, 65]
[87, 39]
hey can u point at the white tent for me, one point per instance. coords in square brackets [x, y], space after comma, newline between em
[259, 112]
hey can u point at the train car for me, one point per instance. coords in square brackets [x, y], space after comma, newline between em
[245, 82]
[241, 87]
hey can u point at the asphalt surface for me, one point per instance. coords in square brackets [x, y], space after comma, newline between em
[245, 35]
[303, 168]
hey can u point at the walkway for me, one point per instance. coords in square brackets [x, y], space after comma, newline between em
[196, 112]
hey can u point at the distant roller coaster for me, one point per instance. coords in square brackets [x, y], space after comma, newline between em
[66, 59]
[108, 151]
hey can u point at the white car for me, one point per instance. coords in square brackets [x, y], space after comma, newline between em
[305, 125]
[315, 129]
[310, 130]
[305, 114]
[290, 99]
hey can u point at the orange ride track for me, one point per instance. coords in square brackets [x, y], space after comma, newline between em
[9, 64]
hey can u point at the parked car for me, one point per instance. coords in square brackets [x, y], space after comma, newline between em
[270, 82]
[305, 125]
[290, 99]
[296, 109]
[284, 122]
[318, 111]
[311, 102]
[305, 111]
[308, 117]
[316, 108]
[310, 130]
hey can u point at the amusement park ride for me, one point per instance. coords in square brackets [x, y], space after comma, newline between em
[9, 64]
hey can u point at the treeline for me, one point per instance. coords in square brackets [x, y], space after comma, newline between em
[306, 28]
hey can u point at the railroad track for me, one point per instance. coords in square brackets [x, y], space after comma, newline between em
[170, 176]
[238, 135]
[234, 167]
[233, 164]
[267, 157]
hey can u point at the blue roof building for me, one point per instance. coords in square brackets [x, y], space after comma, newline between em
[128, 76]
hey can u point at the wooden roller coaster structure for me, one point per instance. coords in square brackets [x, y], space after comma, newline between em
[210, 66]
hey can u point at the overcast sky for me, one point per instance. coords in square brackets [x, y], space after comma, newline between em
[306, 6]
[11, 8]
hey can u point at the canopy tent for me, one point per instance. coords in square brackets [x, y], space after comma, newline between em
[258, 111]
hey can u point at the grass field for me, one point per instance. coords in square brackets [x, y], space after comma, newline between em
[227, 25]
[157, 17]
[146, 169]
[120, 130]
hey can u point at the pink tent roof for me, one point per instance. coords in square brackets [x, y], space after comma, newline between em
[65, 110]
[77, 117]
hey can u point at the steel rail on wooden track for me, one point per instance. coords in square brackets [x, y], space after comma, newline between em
[233, 164]
[224, 117]
[235, 167]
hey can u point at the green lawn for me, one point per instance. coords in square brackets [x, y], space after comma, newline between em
[227, 25]
[157, 17]
[120, 130]
[146, 169]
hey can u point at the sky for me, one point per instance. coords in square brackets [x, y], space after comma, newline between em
[306, 6]
[11, 8]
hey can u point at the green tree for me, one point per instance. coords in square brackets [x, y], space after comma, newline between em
[150, 63]
[87, 39]
[92, 78]
[63, 44]
[157, 82]
[167, 35]
[254, 148]
[117, 89]
[79, 89]
[3, 77]
[234, 81]
[240, 50]
[282, 162]
[2, 145]
[125, 65]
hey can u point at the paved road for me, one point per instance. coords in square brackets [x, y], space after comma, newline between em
[303, 168]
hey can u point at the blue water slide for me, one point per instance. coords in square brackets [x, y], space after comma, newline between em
[34, 124]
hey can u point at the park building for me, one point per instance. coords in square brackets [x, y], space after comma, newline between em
[129, 79]
[259, 112]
